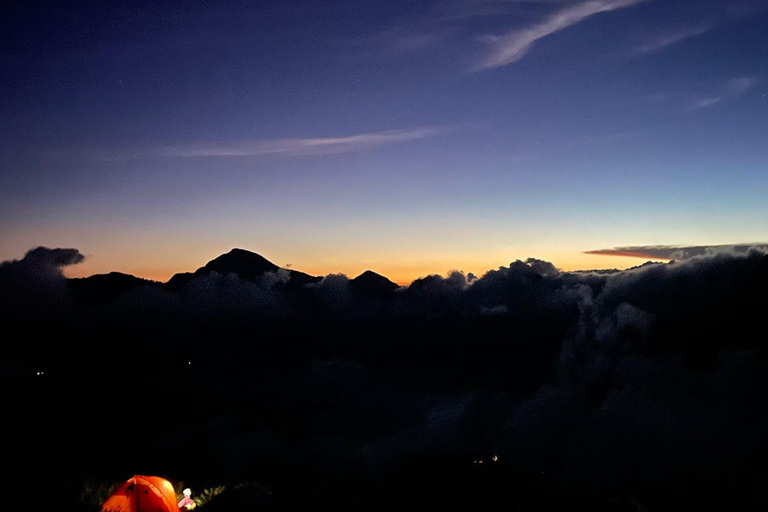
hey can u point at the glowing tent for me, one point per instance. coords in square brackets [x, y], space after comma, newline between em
[142, 494]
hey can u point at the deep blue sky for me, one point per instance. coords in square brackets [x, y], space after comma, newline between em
[407, 137]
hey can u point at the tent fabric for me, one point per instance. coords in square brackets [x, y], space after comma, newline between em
[142, 494]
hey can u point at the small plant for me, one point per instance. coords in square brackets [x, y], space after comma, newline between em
[206, 495]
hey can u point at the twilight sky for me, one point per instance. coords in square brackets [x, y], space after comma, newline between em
[405, 137]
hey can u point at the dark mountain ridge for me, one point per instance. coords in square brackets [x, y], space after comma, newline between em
[247, 265]
[102, 288]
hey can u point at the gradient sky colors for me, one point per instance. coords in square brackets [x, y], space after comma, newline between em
[405, 137]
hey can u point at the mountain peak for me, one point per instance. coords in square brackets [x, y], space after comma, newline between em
[246, 264]
[372, 284]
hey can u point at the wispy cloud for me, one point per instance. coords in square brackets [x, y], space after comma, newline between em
[663, 41]
[741, 85]
[669, 252]
[731, 89]
[512, 46]
[744, 8]
[408, 39]
[706, 102]
[468, 9]
[309, 146]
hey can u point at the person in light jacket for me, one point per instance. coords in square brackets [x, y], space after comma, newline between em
[187, 503]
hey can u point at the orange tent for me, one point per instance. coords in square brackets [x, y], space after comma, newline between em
[142, 494]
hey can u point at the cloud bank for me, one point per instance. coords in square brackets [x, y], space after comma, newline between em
[614, 385]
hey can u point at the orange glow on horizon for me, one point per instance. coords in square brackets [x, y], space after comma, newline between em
[403, 272]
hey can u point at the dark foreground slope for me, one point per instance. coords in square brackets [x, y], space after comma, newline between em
[642, 388]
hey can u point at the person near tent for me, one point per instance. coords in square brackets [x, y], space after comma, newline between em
[187, 503]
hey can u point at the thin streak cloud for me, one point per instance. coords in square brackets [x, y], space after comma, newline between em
[706, 102]
[731, 89]
[512, 46]
[669, 252]
[741, 85]
[306, 147]
[663, 41]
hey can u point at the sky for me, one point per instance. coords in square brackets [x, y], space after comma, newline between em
[409, 138]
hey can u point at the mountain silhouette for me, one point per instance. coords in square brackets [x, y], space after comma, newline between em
[371, 284]
[247, 265]
[103, 288]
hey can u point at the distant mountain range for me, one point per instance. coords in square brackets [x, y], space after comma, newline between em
[247, 265]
